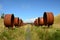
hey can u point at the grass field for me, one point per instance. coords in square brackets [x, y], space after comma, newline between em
[31, 32]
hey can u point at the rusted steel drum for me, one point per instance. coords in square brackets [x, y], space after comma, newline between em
[48, 18]
[40, 21]
[9, 20]
[20, 22]
[36, 22]
[16, 21]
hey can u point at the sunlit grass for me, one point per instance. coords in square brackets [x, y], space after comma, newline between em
[34, 33]
[11, 34]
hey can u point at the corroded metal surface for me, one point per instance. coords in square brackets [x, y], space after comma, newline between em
[40, 21]
[48, 18]
[36, 22]
[9, 20]
[20, 22]
[16, 21]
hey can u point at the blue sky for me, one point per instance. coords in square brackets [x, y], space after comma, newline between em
[29, 9]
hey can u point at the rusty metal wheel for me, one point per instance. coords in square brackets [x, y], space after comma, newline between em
[40, 21]
[20, 22]
[9, 20]
[36, 22]
[16, 21]
[48, 18]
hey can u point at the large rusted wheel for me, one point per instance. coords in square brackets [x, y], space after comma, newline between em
[16, 21]
[40, 21]
[48, 18]
[9, 20]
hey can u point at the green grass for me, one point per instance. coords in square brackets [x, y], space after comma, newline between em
[34, 33]
[15, 34]
[42, 33]
[11, 34]
[45, 33]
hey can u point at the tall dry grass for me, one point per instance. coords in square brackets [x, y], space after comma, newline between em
[31, 32]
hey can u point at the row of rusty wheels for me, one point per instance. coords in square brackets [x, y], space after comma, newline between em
[10, 20]
[47, 19]
[39, 21]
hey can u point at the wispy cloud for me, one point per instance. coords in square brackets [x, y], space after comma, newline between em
[31, 20]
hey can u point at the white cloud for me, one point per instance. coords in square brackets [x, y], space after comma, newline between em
[31, 20]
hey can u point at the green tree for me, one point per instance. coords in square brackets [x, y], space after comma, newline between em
[2, 15]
